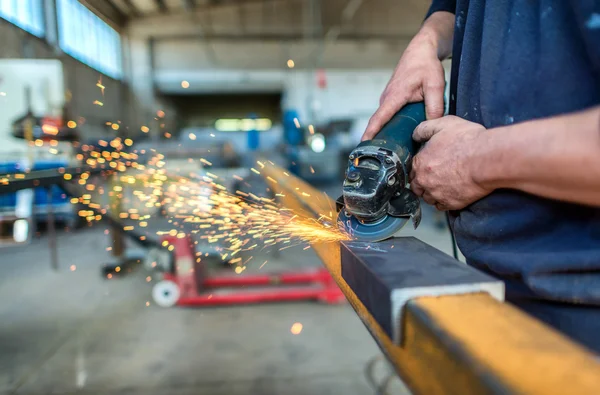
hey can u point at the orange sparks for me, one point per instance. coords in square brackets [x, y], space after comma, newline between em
[98, 103]
[296, 328]
[99, 85]
[50, 129]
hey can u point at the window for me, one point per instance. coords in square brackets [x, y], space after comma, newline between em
[88, 38]
[27, 14]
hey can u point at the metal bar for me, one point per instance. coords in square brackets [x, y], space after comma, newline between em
[43, 178]
[459, 344]
[313, 276]
[385, 282]
[52, 244]
[258, 296]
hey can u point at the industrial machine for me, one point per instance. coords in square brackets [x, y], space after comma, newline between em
[376, 201]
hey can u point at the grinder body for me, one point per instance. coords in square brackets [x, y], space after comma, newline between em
[376, 200]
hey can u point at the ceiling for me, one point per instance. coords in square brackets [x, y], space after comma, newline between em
[271, 19]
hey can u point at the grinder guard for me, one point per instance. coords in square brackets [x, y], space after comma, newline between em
[376, 184]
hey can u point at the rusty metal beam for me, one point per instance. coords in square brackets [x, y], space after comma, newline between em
[461, 344]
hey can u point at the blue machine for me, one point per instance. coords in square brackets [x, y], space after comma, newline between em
[253, 136]
[63, 210]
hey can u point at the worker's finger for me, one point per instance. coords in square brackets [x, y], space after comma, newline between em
[429, 199]
[426, 130]
[384, 113]
[417, 188]
[434, 99]
[441, 206]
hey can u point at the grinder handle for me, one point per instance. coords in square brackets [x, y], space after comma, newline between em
[400, 128]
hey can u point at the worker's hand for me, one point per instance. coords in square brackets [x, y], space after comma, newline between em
[419, 76]
[443, 171]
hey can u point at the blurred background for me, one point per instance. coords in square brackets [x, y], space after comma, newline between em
[211, 86]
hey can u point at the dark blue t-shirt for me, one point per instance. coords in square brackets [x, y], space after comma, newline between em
[515, 61]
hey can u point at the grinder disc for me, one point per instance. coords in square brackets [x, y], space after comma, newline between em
[376, 231]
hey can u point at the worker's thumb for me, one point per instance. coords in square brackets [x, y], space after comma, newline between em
[426, 130]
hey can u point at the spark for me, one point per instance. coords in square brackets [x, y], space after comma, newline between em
[98, 103]
[99, 85]
[296, 328]
[235, 221]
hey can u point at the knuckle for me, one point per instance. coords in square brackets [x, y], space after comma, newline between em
[435, 85]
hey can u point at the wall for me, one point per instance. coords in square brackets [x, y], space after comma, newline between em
[347, 92]
[79, 85]
[44, 79]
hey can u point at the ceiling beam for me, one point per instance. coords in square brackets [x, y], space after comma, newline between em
[108, 11]
[162, 6]
[189, 4]
[215, 4]
[132, 8]
[280, 37]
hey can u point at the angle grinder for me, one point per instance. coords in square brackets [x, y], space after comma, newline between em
[376, 201]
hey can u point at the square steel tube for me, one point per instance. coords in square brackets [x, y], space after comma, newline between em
[386, 275]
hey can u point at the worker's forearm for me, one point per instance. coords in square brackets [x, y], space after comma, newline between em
[556, 157]
[438, 29]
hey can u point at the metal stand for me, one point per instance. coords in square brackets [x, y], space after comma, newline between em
[52, 244]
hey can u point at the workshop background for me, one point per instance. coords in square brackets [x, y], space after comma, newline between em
[213, 86]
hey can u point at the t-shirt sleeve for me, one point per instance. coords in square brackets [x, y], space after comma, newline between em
[442, 5]
[587, 13]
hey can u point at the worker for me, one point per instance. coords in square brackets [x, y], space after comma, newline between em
[517, 163]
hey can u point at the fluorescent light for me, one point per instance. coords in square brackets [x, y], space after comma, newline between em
[243, 125]
[317, 143]
[20, 230]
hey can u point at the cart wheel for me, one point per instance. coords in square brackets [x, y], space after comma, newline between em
[165, 293]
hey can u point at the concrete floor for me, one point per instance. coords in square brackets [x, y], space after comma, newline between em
[74, 332]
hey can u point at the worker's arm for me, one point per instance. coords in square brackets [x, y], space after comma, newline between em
[419, 75]
[556, 157]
